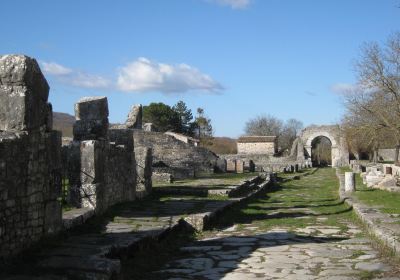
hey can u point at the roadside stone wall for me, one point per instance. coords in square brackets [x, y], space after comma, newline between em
[30, 157]
[184, 159]
[100, 162]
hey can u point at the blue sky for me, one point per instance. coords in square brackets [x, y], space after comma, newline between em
[235, 58]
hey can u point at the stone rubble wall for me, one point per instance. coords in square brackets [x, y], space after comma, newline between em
[378, 176]
[30, 157]
[102, 163]
[185, 160]
[269, 163]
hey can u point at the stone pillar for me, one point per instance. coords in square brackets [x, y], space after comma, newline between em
[230, 165]
[239, 166]
[349, 182]
[134, 119]
[91, 114]
[144, 170]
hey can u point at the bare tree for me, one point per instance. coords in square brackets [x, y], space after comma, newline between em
[374, 106]
[264, 126]
[268, 125]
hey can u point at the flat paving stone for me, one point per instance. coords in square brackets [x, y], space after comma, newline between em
[316, 251]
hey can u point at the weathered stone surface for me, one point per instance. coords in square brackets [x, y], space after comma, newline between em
[21, 70]
[23, 94]
[183, 159]
[239, 166]
[221, 165]
[30, 159]
[92, 108]
[134, 119]
[349, 182]
[90, 130]
[231, 165]
[91, 114]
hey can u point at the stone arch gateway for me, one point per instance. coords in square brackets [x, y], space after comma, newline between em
[340, 152]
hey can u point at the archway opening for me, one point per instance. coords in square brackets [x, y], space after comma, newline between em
[321, 151]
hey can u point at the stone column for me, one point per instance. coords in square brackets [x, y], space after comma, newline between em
[349, 182]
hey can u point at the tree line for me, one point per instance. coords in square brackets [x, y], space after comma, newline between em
[178, 118]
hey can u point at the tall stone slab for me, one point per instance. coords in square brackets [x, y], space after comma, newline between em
[91, 114]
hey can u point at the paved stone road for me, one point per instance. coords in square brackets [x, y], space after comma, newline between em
[313, 250]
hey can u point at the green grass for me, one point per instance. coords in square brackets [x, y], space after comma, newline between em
[388, 202]
[294, 204]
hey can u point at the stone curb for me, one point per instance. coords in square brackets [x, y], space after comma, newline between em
[372, 218]
[200, 221]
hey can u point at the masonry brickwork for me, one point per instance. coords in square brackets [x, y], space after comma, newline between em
[30, 158]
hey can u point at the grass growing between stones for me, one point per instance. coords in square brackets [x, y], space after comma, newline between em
[313, 200]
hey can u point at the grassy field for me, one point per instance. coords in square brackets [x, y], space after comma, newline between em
[388, 202]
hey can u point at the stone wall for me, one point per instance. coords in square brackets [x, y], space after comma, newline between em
[256, 148]
[185, 160]
[30, 157]
[268, 163]
[386, 154]
[102, 163]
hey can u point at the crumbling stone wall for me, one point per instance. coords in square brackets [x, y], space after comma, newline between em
[101, 164]
[30, 157]
[184, 159]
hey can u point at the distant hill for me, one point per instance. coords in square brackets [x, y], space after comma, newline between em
[222, 145]
[63, 122]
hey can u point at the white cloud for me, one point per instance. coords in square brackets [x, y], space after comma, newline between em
[234, 4]
[55, 69]
[73, 77]
[144, 75]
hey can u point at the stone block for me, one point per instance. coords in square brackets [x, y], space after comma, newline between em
[231, 165]
[90, 130]
[23, 94]
[239, 166]
[134, 119]
[21, 70]
[92, 161]
[92, 108]
[349, 182]
[121, 137]
[220, 165]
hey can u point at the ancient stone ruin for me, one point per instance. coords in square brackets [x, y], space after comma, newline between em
[100, 162]
[99, 168]
[30, 157]
[256, 145]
